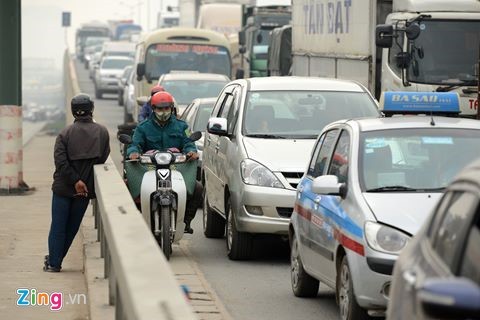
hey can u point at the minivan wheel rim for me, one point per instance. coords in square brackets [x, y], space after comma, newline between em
[229, 229]
[344, 292]
[294, 264]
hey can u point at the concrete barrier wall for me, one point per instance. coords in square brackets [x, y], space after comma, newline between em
[141, 283]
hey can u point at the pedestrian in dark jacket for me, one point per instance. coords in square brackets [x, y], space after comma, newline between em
[77, 149]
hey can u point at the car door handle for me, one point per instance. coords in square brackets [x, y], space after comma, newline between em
[410, 278]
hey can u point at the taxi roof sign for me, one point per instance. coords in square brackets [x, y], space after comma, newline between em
[398, 102]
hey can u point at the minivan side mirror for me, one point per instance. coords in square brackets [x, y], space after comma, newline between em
[140, 69]
[453, 298]
[217, 126]
[328, 185]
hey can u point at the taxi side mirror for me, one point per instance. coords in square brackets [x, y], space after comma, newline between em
[329, 185]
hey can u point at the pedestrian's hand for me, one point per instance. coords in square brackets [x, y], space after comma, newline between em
[192, 156]
[81, 188]
[134, 156]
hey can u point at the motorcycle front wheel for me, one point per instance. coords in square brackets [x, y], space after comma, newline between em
[166, 243]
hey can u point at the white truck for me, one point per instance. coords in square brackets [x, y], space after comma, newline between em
[428, 45]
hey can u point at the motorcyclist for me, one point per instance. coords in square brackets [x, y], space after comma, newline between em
[162, 131]
[146, 110]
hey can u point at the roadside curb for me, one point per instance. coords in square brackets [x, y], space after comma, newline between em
[222, 312]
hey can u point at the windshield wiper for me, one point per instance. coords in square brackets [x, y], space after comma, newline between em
[265, 136]
[391, 188]
[459, 84]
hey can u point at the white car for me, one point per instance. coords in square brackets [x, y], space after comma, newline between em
[257, 145]
[186, 86]
[369, 186]
[108, 72]
[196, 115]
[129, 101]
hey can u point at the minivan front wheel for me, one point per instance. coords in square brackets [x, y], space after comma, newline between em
[239, 244]
[347, 303]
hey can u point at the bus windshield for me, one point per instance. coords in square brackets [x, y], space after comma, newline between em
[164, 57]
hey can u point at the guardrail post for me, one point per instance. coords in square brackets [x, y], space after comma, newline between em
[119, 315]
[101, 235]
[95, 212]
[109, 272]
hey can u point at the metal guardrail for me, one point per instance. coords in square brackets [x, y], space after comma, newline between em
[141, 282]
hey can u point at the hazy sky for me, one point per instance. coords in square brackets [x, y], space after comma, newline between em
[43, 36]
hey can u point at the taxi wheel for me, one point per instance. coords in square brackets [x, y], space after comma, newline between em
[239, 244]
[303, 284]
[213, 223]
[347, 303]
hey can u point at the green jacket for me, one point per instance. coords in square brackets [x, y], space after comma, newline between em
[149, 135]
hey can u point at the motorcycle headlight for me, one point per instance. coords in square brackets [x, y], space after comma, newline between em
[385, 239]
[256, 174]
[163, 158]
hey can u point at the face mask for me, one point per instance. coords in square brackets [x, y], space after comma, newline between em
[163, 115]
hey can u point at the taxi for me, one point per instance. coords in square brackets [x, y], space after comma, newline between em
[369, 186]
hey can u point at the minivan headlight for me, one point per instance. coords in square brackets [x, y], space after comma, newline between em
[385, 239]
[256, 174]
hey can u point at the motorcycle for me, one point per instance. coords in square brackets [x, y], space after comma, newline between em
[163, 194]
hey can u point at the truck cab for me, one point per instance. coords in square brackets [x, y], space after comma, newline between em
[258, 22]
[442, 57]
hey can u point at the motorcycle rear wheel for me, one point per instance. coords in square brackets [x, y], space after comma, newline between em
[166, 243]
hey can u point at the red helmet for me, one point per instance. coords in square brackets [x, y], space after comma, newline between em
[156, 88]
[162, 99]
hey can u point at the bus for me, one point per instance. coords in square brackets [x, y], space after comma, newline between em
[178, 49]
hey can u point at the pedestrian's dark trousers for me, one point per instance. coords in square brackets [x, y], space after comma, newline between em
[67, 214]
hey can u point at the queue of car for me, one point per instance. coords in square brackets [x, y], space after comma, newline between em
[369, 186]
[351, 184]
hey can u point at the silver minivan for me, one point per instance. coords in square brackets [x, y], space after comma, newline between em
[257, 145]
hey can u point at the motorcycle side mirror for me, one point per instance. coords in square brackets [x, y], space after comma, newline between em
[197, 135]
[125, 138]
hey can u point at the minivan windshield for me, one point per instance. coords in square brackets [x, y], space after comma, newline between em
[302, 114]
[422, 160]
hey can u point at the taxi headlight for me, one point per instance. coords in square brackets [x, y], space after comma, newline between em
[163, 158]
[256, 174]
[385, 239]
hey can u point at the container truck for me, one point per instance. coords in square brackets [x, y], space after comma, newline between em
[424, 45]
